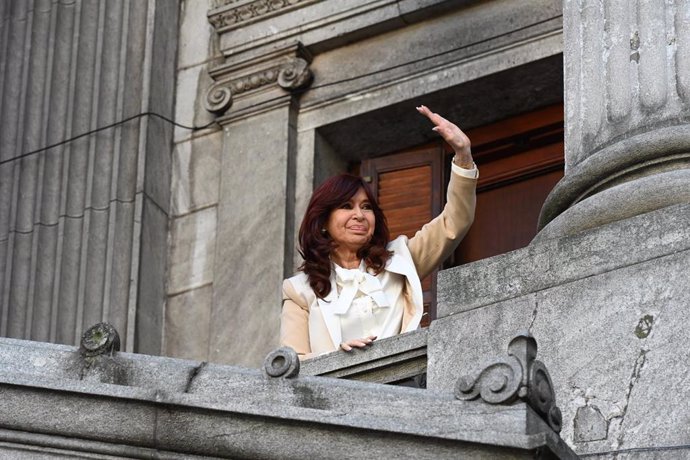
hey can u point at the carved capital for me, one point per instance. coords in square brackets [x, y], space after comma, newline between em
[295, 75]
[290, 74]
[519, 376]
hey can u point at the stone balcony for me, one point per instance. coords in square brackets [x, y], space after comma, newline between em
[74, 402]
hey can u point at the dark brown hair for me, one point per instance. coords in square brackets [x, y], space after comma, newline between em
[315, 246]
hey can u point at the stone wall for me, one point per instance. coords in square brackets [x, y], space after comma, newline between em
[195, 186]
[604, 285]
[608, 308]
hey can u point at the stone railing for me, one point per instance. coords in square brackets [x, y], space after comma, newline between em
[397, 360]
[92, 401]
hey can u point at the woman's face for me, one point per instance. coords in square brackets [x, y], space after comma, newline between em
[352, 224]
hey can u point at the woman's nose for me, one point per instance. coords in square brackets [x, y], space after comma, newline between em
[358, 214]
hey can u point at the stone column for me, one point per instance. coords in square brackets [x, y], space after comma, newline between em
[74, 218]
[627, 109]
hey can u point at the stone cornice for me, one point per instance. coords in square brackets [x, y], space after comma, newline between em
[319, 24]
[237, 13]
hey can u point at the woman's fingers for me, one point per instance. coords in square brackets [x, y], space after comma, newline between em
[449, 132]
[358, 343]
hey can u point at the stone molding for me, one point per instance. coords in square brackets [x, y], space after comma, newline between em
[232, 14]
[286, 69]
[629, 159]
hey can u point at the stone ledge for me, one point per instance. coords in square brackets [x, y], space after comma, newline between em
[388, 360]
[554, 262]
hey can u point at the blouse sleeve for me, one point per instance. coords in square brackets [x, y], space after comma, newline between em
[437, 239]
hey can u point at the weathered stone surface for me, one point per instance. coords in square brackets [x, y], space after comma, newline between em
[196, 173]
[192, 84]
[551, 263]
[151, 297]
[251, 238]
[606, 318]
[589, 425]
[210, 410]
[194, 34]
[187, 324]
[192, 250]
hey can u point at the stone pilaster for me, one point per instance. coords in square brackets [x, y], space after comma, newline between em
[627, 103]
[254, 101]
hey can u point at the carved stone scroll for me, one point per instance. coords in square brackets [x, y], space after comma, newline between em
[295, 75]
[518, 377]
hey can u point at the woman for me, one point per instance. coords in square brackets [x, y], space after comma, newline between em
[355, 286]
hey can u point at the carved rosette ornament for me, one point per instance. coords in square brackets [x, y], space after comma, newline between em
[518, 377]
[100, 339]
[291, 75]
[282, 363]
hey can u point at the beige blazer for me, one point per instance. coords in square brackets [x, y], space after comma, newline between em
[308, 325]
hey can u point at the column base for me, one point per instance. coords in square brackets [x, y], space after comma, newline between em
[635, 175]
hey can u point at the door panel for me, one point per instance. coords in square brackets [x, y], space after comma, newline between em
[408, 188]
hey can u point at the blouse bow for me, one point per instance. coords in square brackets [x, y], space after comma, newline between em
[354, 280]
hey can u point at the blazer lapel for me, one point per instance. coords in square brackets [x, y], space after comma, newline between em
[331, 320]
[401, 263]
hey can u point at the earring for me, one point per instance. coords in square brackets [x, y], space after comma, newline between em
[323, 230]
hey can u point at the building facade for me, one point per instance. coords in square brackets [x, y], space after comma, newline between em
[179, 234]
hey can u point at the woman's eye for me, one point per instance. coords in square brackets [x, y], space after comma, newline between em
[367, 206]
[346, 206]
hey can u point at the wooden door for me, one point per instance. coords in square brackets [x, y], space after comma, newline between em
[409, 189]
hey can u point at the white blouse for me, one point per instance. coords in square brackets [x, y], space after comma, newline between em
[363, 308]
